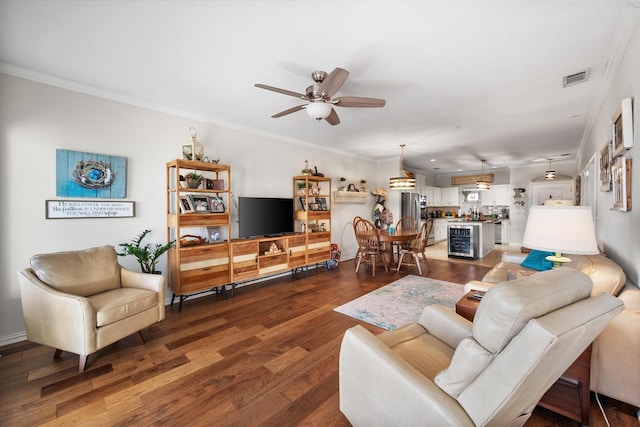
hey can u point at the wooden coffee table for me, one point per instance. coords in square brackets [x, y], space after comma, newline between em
[570, 395]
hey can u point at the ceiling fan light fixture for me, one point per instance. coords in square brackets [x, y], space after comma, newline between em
[318, 110]
[405, 181]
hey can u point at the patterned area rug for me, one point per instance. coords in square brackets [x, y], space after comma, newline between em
[401, 302]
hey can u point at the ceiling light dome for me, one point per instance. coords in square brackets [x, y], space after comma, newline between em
[318, 110]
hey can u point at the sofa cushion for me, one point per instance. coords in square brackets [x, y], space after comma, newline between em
[536, 260]
[118, 304]
[84, 273]
[519, 274]
[507, 307]
[469, 359]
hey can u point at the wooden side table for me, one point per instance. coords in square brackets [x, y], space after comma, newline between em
[570, 395]
[467, 306]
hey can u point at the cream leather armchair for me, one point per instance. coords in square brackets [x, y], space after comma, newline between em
[444, 370]
[82, 301]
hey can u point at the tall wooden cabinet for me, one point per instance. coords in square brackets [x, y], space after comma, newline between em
[312, 215]
[202, 211]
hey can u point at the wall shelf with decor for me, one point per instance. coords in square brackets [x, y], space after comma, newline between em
[198, 207]
[349, 197]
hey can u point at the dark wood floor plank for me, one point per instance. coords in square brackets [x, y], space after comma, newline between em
[268, 356]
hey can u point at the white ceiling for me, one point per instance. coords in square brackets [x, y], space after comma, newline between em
[463, 80]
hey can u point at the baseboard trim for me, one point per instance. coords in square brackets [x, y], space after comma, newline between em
[13, 338]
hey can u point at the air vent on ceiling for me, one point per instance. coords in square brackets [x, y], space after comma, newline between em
[574, 79]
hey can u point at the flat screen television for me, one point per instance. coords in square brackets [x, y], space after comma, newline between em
[264, 216]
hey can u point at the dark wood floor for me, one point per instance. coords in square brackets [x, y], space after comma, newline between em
[267, 357]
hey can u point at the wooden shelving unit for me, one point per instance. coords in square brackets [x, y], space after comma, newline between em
[312, 215]
[200, 267]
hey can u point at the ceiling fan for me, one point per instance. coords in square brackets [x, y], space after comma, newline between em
[319, 97]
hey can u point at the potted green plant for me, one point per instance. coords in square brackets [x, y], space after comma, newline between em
[193, 179]
[147, 255]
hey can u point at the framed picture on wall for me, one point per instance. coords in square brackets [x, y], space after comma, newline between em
[605, 167]
[623, 128]
[621, 177]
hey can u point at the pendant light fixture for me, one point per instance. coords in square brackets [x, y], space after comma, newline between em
[549, 174]
[405, 181]
[482, 185]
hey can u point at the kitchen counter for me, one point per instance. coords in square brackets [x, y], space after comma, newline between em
[484, 234]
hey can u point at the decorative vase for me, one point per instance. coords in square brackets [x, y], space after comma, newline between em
[193, 183]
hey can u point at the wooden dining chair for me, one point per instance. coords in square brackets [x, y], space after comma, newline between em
[369, 250]
[417, 247]
[404, 223]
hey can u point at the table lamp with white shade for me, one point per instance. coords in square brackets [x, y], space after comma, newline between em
[562, 230]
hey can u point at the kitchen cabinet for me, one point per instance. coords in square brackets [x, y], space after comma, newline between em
[437, 196]
[497, 195]
[450, 196]
[440, 227]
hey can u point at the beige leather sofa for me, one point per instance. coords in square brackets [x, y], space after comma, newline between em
[446, 371]
[615, 360]
[82, 301]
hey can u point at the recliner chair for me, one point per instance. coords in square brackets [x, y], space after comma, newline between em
[82, 301]
[445, 370]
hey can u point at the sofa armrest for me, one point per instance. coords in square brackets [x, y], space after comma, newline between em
[151, 282]
[43, 307]
[513, 258]
[477, 285]
[378, 388]
[630, 296]
[444, 324]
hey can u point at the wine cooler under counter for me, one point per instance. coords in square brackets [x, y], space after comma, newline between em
[471, 240]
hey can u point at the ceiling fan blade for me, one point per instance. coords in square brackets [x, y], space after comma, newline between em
[289, 111]
[333, 118]
[282, 91]
[334, 81]
[357, 101]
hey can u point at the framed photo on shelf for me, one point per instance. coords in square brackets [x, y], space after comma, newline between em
[216, 205]
[313, 207]
[302, 206]
[185, 205]
[621, 177]
[605, 167]
[622, 128]
[200, 203]
[215, 234]
[322, 203]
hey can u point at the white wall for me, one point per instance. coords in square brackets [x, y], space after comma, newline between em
[620, 231]
[521, 178]
[36, 119]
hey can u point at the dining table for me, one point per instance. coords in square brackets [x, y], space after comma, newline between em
[398, 236]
